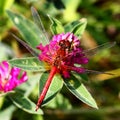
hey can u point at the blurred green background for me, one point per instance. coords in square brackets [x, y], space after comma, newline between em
[103, 26]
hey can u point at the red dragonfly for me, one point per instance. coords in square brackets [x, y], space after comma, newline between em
[63, 51]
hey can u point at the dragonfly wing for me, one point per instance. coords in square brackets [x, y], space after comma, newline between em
[30, 49]
[38, 22]
[91, 52]
[97, 72]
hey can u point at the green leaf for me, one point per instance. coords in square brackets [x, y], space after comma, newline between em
[84, 77]
[76, 27]
[7, 113]
[27, 28]
[56, 26]
[30, 63]
[69, 27]
[80, 91]
[79, 28]
[7, 93]
[59, 102]
[81, 77]
[24, 103]
[54, 88]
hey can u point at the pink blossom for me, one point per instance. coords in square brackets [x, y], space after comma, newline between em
[64, 51]
[10, 78]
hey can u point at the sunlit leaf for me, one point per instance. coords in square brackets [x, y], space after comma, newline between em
[30, 63]
[54, 88]
[80, 91]
[56, 26]
[27, 28]
[24, 103]
[79, 28]
[102, 77]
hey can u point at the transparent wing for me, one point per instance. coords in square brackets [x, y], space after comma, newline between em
[30, 49]
[91, 52]
[38, 22]
[97, 72]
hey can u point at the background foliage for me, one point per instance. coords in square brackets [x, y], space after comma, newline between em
[103, 26]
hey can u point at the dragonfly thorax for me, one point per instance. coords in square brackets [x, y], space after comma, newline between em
[63, 50]
[65, 45]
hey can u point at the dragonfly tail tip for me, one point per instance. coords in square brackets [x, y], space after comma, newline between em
[37, 107]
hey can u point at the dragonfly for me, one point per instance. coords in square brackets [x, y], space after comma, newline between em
[60, 54]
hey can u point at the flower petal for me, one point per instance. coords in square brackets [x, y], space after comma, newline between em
[9, 79]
